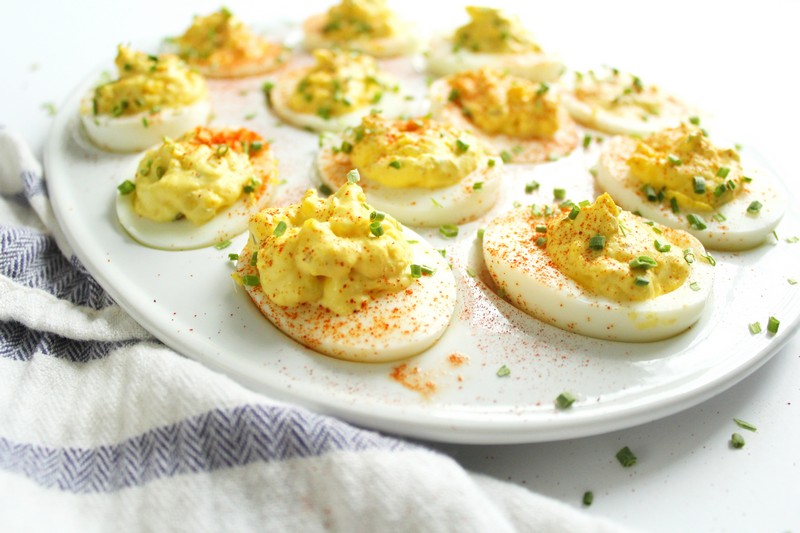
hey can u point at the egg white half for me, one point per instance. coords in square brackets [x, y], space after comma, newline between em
[535, 66]
[524, 150]
[417, 206]
[185, 235]
[405, 42]
[134, 133]
[530, 280]
[391, 104]
[391, 326]
[738, 231]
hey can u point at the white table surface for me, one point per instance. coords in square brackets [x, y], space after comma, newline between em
[738, 60]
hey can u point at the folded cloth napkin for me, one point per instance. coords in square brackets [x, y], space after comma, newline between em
[104, 428]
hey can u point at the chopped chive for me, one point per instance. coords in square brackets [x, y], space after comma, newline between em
[481, 231]
[442, 252]
[755, 328]
[565, 400]
[730, 185]
[461, 146]
[250, 116]
[559, 194]
[541, 229]
[694, 286]
[346, 147]
[471, 272]
[541, 242]
[254, 259]
[650, 193]
[745, 425]
[250, 280]
[427, 271]
[324, 113]
[126, 187]
[598, 242]
[754, 207]
[435, 203]
[688, 255]
[416, 271]
[222, 149]
[491, 163]
[395, 164]
[324, 189]
[792, 240]
[280, 229]
[791, 281]
[587, 140]
[588, 498]
[353, 176]
[267, 87]
[505, 156]
[662, 246]
[641, 281]
[747, 179]
[626, 457]
[222, 245]
[643, 262]
[251, 185]
[377, 215]
[710, 259]
[574, 212]
[719, 217]
[477, 186]
[723, 172]
[531, 186]
[737, 441]
[543, 88]
[453, 96]
[699, 185]
[694, 120]
[719, 190]
[673, 202]
[773, 324]
[674, 160]
[503, 371]
[696, 221]
[233, 257]
[255, 147]
[145, 123]
[448, 230]
[376, 228]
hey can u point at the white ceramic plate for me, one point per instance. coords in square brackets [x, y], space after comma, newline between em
[451, 392]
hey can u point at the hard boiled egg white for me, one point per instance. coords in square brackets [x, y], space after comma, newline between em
[523, 150]
[391, 104]
[134, 133]
[530, 280]
[466, 200]
[390, 327]
[730, 227]
[185, 235]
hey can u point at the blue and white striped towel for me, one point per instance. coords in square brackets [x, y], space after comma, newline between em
[104, 428]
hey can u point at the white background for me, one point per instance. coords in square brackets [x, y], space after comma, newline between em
[739, 61]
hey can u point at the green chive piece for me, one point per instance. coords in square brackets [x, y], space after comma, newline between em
[481, 232]
[597, 242]
[643, 262]
[353, 176]
[673, 202]
[662, 246]
[145, 123]
[754, 207]
[745, 425]
[773, 324]
[254, 259]
[324, 189]
[222, 245]
[737, 441]
[377, 215]
[448, 230]
[699, 185]
[696, 221]
[324, 113]
[346, 147]
[267, 87]
[573, 214]
[641, 281]
[442, 252]
[792, 240]
[376, 228]
[755, 328]
[710, 259]
[251, 185]
[723, 172]
[541, 242]
[565, 400]
[531, 186]
[588, 498]
[491, 163]
[694, 120]
[719, 217]
[435, 203]
[233, 257]
[280, 229]
[126, 187]
[461, 146]
[719, 190]
[587, 140]
[650, 193]
[559, 194]
[453, 96]
[791, 281]
[541, 229]
[477, 186]
[626, 457]
[503, 371]
[694, 286]
[395, 164]
[471, 272]
[427, 271]
[505, 156]
[416, 271]
[674, 160]
[250, 280]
